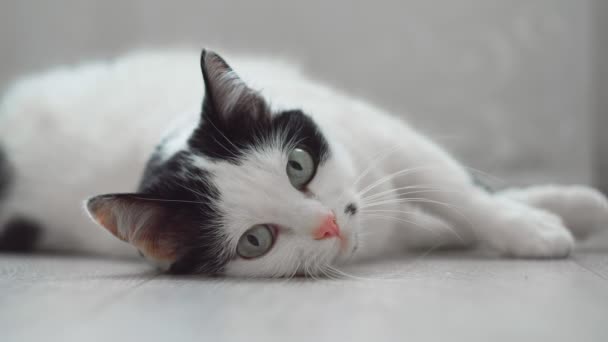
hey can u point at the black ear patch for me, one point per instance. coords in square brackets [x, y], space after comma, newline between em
[227, 97]
[232, 114]
[235, 118]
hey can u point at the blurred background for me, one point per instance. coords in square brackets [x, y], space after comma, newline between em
[518, 88]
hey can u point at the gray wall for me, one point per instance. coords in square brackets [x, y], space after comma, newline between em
[506, 85]
[601, 93]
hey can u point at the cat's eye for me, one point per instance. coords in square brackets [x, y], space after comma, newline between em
[256, 241]
[300, 168]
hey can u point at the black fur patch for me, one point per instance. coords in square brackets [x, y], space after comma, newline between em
[230, 141]
[19, 235]
[5, 174]
[235, 118]
[202, 241]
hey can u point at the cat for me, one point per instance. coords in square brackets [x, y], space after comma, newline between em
[273, 175]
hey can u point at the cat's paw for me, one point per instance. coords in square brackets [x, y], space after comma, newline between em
[584, 210]
[533, 233]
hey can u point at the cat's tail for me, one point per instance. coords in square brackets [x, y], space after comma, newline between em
[5, 175]
[583, 209]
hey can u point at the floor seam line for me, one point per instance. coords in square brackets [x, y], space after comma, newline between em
[588, 269]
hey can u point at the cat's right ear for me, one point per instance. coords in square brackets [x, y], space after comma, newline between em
[154, 226]
[226, 94]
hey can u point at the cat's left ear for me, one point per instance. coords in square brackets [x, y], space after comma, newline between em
[227, 96]
[155, 227]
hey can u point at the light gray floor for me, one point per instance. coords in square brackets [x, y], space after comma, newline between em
[441, 297]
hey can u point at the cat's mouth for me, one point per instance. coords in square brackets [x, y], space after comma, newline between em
[348, 243]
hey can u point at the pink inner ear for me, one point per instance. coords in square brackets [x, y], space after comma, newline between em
[104, 217]
[154, 245]
[157, 249]
[137, 222]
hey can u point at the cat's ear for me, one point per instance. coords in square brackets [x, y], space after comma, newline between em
[155, 227]
[226, 94]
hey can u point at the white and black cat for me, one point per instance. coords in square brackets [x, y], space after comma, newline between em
[275, 175]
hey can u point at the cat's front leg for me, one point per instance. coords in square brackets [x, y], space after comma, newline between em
[505, 225]
[516, 229]
[502, 224]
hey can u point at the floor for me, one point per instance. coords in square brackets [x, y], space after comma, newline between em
[460, 297]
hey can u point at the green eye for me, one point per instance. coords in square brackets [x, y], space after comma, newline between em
[257, 241]
[300, 168]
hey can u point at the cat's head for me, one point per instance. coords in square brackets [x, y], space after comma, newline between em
[252, 193]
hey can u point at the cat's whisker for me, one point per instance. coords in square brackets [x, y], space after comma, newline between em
[419, 258]
[167, 200]
[295, 270]
[309, 269]
[399, 219]
[371, 164]
[397, 195]
[225, 148]
[390, 191]
[454, 208]
[391, 177]
[486, 174]
[415, 200]
[388, 211]
[191, 190]
[323, 269]
[395, 276]
[332, 274]
[321, 260]
[291, 274]
[305, 269]
[344, 275]
[406, 200]
[225, 137]
[446, 226]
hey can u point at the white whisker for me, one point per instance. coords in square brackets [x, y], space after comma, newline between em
[371, 164]
[191, 190]
[389, 191]
[376, 198]
[224, 136]
[444, 225]
[390, 177]
[167, 200]
[399, 219]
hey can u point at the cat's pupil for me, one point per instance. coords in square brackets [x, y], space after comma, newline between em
[253, 240]
[295, 165]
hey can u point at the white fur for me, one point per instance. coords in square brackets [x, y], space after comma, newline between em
[76, 132]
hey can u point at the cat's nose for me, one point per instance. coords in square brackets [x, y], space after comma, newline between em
[328, 228]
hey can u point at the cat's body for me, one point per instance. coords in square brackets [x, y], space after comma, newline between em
[70, 134]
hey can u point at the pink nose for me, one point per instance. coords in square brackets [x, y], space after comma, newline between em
[328, 228]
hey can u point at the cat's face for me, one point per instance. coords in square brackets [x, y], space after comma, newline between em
[253, 192]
